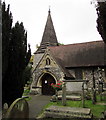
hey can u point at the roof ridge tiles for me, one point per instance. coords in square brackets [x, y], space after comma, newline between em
[76, 44]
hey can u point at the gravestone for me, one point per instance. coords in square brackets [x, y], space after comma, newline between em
[67, 112]
[18, 109]
[74, 86]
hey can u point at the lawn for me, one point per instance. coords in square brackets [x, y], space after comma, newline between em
[96, 109]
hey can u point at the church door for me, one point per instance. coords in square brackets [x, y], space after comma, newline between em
[47, 89]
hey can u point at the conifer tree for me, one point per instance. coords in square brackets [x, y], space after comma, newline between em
[101, 26]
[6, 37]
[101, 21]
[15, 56]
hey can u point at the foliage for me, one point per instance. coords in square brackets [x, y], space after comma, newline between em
[6, 34]
[26, 92]
[31, 59]
[101, 21]
[57, 86]
[6, 37]
[15, 56]
[27, 74]
[60, 44]
[28, 99]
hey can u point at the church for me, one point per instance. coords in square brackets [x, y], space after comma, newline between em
[53, 62]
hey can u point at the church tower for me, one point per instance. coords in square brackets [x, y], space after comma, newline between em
[49, 36]
[48, 39]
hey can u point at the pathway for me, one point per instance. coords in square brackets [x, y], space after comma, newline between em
[36, 104]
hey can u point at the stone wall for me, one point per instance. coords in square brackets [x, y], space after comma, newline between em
[88, 75]
[39, 72]
[58, 74]
[53, 71]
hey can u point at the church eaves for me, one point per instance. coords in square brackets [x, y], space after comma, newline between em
[49, 36]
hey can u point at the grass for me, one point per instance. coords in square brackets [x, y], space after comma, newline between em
[98, 98]
[96, 109]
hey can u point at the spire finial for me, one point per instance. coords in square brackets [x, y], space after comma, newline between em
[49, 9]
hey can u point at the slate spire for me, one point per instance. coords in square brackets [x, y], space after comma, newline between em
[49, 36]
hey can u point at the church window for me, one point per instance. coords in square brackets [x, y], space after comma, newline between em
[78, 73]
[47, 61]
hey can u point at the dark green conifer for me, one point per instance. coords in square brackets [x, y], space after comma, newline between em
[15, 56]
[101, 21]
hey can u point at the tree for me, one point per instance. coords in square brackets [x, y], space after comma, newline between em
[6, 35]
[18, 60]
[101, 25]
[15, 57]
[27, 73]
[101, 21]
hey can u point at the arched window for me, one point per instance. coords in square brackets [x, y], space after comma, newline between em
[47, 61]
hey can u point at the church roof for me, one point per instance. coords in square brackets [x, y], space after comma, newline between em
[80, 54]
[49, 36]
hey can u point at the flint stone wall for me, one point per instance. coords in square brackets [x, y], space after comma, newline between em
[54, 71]
[57, 72]
[37, 74]
[87, 75]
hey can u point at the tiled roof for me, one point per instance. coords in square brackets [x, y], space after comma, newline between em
[80, 54]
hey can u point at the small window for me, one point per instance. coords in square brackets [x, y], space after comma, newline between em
[78, 74]
[47, 61]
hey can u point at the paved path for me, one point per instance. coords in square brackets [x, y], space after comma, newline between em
[36, 104]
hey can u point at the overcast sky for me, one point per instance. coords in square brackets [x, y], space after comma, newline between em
[74, 20]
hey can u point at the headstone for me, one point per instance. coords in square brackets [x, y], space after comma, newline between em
[18, 109]
[74, 86]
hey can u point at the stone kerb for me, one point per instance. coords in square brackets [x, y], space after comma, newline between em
[67, 112]
[18, 109]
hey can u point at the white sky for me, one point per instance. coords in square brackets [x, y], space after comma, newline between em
[74, 20]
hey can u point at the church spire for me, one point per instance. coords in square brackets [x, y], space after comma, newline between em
[49, 36]
[49, 10]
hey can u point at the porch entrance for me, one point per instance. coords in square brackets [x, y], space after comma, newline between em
[47, 89]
